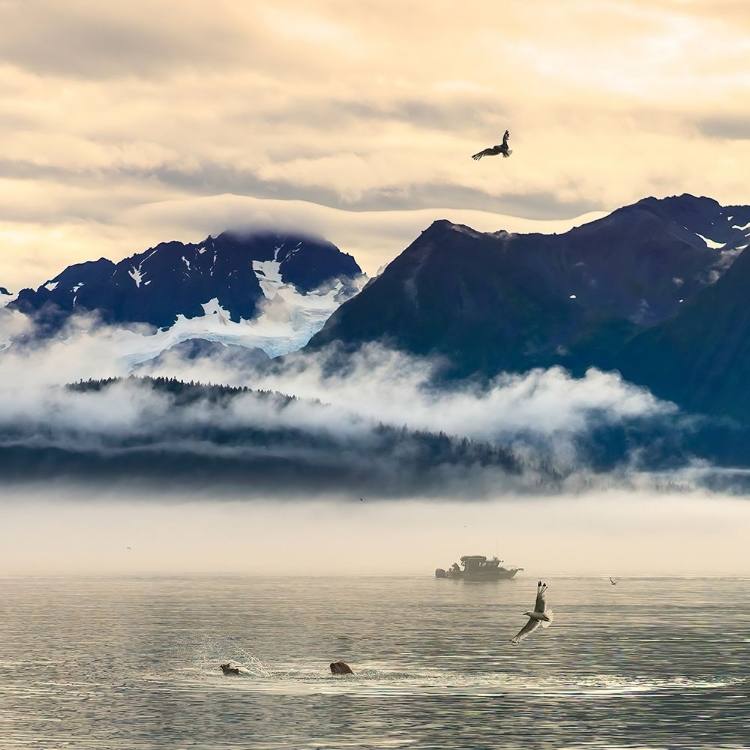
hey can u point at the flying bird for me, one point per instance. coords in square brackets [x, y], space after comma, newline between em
[128, 547]
[613, 581]
[540, 616]
[495, 150]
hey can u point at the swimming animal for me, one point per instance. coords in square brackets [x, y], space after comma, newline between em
[340, 667]
[228, 669]
[540, 616]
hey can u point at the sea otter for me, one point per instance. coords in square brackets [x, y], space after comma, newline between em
[227, 669]
[340, 667]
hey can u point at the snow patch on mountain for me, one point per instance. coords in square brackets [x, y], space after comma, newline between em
[286, 322]
[711, 243]
[268, 273]
[136, 275]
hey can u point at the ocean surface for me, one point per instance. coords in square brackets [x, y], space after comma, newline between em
[134, 663]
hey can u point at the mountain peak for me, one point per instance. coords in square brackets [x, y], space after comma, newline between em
[700, 215]
[440, 226]
[172, 279]
[680, 202]
[499, 301]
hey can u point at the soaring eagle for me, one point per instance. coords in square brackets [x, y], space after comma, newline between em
[495, 150]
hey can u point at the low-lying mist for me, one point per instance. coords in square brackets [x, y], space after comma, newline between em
[369, 467]
[74, 530]
[375, 422]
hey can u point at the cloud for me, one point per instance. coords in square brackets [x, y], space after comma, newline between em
[373, 237]
[110, 109]
[733, 128]
[43, 246]
[394, 387]
[90, 41]
[377, 423]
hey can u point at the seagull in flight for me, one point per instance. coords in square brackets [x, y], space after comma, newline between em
[613, 581]
[540, 616]
[495, 150]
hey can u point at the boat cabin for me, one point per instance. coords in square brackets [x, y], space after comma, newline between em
[479, 564]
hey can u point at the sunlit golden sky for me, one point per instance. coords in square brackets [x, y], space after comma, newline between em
[128, 123]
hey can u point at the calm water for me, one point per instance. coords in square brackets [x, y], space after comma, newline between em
[133, 663]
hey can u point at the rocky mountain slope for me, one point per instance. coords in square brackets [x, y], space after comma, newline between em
[509, 302]
[287, 285]
[701, 357]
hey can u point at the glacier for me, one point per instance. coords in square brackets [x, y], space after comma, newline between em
[286, 321]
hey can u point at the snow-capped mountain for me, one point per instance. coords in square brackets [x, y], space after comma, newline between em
[264, 290]
[5, 299]
[493, 302]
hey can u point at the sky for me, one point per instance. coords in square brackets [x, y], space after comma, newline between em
[127, 124]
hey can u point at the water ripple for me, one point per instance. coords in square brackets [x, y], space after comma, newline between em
[134, 663]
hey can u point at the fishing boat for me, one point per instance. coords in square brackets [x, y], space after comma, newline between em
[478, 568]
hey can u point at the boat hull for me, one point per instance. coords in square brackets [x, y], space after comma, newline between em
[478, 568]
[501, 574]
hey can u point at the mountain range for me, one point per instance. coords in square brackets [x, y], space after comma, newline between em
[657, 290]
[261, 290]
[172, 279]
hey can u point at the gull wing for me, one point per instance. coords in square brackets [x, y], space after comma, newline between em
[541, 597]
[526, 630]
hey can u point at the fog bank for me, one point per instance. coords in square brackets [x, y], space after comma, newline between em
[74, 531]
